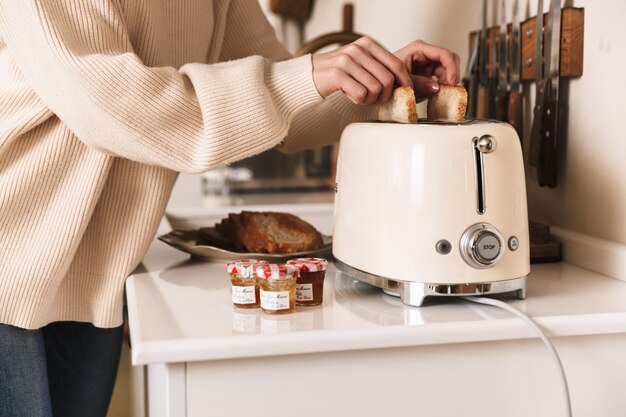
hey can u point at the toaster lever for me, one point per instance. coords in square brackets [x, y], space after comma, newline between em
[486, 144]
[483, 145]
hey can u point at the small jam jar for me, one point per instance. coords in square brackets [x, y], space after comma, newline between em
[278, 287]
[245, 290]
[310, 283]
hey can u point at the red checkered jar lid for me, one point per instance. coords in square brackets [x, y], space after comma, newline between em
[309, 264]
[244, 267]
[277, 271]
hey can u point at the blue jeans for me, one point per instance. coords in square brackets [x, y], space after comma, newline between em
[65, 369]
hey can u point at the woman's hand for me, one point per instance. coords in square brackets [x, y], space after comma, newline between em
[423, 61]
[366, 72]
[363, 70]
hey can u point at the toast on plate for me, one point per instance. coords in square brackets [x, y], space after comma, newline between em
[262, 232]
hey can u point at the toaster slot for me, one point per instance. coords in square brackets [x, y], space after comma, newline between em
[479, 169]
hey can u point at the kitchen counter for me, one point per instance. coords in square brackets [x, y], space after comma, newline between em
[180, 314]
[181, 311]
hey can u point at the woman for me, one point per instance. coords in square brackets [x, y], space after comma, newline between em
[102, 103]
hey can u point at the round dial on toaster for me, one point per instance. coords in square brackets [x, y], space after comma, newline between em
[481, 246]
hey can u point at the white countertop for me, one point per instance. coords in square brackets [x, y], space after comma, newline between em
[180, 310]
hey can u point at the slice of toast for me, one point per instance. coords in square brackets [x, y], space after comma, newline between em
[450, 104]
[272, 232]
[261, 232]
[231, 229]
[211, 237]
[401, 108]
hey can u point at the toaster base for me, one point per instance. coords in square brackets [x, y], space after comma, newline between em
[414, 293]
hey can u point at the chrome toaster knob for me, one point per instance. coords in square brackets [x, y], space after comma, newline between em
[486, 144]
[481, 246]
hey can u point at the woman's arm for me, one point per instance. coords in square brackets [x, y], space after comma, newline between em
[77, 57]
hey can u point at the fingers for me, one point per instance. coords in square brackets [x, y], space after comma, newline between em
[424, 87]
[363, 70]
[354, 90]
[386, 58]
[427, 60]
[448, 61]
[375, 68]
[379, 92]
[333, 71]
[355, 70]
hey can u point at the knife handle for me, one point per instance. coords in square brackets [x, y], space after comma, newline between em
[482, 104]
[502, 105]
[491, 93]
[534, 149]
[471, 86]
[547, 170]
[470, 96]
[515, 115]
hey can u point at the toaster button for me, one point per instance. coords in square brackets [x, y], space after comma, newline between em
[487, 247]
[443, 247]
[481, 246]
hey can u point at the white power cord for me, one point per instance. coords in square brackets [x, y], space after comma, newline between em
[539, 331]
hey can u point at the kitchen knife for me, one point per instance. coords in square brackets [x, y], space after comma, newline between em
[534, 151]
[502, 94]
[470, 81]
[516, 98]
[482, 104]
[492, 87]
[547, 173]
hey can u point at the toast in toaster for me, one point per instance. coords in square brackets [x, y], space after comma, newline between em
[449, 103]
[400, 108]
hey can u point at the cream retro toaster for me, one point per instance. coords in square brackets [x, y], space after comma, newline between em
[432, 209]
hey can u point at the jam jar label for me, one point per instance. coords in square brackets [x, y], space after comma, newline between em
[243, 295]
[275, 300]
[304, 292]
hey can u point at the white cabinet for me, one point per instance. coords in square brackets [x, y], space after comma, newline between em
[364, 353]
[501, 378]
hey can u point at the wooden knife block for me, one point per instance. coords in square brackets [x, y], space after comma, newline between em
[543, 249]
[572, 44]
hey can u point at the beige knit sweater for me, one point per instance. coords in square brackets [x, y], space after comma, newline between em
[102, 102]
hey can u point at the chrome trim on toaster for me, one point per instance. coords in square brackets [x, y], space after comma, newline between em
[486, 144]
[479, 169]
[469, 245]
[414, 293]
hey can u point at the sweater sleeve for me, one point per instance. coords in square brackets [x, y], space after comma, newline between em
[77, 57]
[321, 124]
[315, 125]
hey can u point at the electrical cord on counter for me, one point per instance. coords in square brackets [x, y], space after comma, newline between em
[539, 331]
